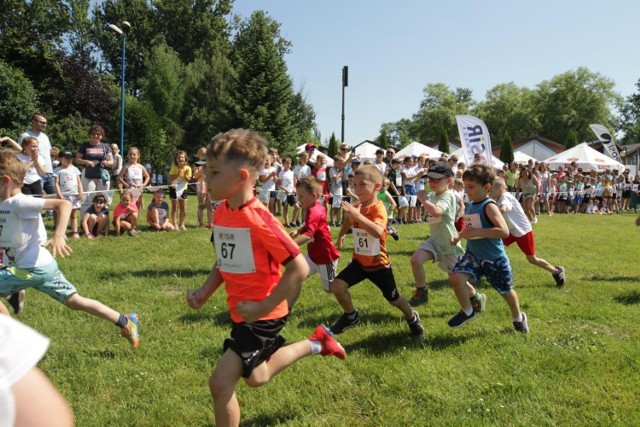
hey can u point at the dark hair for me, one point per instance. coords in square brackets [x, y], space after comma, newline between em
[96, 129]
[482, 174]
[99, 197]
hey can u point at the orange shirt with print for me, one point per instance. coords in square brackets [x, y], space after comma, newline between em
[376, 213]
[253, 248]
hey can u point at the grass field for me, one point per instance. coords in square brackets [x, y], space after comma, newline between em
[578, 366]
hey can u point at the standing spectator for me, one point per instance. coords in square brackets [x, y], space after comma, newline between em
[69, 187]
[529, 185]
[380, 163]
[117, 163]
[34, 162]
[179, 177]
[134, 177]
[95, 156]
[310, 148]
[38, 125]
[204, 203]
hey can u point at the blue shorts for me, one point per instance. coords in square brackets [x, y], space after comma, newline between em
[410, 190]
[498, 271]
[47, 278]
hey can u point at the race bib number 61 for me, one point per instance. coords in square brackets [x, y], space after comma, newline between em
[233, 250]
[364, 243]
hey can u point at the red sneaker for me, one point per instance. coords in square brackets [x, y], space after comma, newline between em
[330, 347]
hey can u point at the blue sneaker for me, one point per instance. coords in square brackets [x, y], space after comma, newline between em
[460, 319]
[132, 330]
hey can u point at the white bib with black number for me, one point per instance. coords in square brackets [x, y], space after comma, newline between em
[233, 250]
[10, 234]
[473, 221]
[364, 243]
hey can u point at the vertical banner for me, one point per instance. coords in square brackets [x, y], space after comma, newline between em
[475, 139]
[608, 143]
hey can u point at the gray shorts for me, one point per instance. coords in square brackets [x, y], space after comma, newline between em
[445, 262]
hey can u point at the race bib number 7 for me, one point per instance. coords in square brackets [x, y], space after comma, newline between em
[233, 250]
[364, 243]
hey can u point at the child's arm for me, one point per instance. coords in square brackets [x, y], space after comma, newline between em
[499, 231]
[56, 182]
[353, 213]
[58, 241]
[121, 181]
[80, 188]
[346, 225]
[295, 271]
[13, 144]
[392, 202]
[85, 223]
[300, 239]
[432, 209]
[196, 298]
[146, 177]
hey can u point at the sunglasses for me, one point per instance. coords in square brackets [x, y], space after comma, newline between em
[42, 122]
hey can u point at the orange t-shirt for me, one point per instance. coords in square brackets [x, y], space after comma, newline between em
[370, 252]
[251, 247]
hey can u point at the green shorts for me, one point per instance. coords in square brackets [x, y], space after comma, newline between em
[47, 278]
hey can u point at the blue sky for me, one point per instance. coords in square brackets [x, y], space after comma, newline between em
[395, 48]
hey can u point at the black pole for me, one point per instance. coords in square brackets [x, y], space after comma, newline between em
[345, 83]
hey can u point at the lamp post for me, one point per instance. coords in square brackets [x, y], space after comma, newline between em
[345, 83]
[126, 27]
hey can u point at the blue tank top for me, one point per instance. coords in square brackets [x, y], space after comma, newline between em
[483, 248]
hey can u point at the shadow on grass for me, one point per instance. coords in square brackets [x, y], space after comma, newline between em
[631, 298]
[219, 318]
[102, 354]
[154, 273]
[279, 418]
[634, 279]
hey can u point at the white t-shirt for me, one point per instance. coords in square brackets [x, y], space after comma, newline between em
[301, 171]
[44, 146]
[134, 176]
[286, 180]
[270, 184]
[335, 185]
[23, 232]
[382, 167]
[68, 180]
[407, 176]
[21, 349]
[515, 217]
[32, 174]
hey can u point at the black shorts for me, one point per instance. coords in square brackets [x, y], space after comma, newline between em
[383, 278]
[292, 199]
[174, 196]
[35, 188]
[255, 342]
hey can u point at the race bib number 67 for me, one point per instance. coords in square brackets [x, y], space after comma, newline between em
[233, 250]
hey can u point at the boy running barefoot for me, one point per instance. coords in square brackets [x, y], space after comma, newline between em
[322, 256]
[441, 213]
[485, 255]
[368, 217]
[26, 262]
[251, 247]
[520, 230]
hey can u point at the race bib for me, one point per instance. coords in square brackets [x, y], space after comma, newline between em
[181, 185]
[364, 243]
[10, 234]
[398, 180]
[473, 221]
[233, 250]
[322, 176]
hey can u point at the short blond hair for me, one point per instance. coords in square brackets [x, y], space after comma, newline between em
[370, 173]
[11, 166]
[240, 146]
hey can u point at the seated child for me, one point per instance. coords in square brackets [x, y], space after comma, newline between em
[157, 212]
[95, 221]
[125, 215]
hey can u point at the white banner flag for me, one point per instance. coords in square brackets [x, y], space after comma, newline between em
[608, 143]
[475, 139]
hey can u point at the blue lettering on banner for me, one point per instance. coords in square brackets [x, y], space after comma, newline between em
[475, 139]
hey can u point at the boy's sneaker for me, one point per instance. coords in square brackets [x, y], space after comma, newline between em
[420, 296]
[416, 325]
[17, 301]
[131, 330]
[460, 319]
[479, 302]
[558, 276]
[522, 326]
[346, 321]
[330, 347]
[394, 233]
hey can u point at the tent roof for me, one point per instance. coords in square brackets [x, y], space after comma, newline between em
[497, 163]
[585, 157]
[417, 149]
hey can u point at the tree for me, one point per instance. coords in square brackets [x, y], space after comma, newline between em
[572, 101]
[438, 110]
[631, 117]
[395, 134]
[18, 100]
[506, 149]
[334, 146]
[444, 141]
[164, 83]
[572, 139]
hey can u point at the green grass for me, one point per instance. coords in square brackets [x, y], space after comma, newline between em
[578, 366]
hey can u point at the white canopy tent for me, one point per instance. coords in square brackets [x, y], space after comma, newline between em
[497, 163]
[417, 149]
[522, 157]
[367, 151]
[585, 157]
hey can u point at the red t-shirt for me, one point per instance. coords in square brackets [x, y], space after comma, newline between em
[251, 247]
[320, 248]
[321, 175]
[121, 211]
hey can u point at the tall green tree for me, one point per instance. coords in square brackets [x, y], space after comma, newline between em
[444, 141]
[573, 100]
[572, 139]
[438, 109]
[631, 117]
[396, 134]
[18, 100]
[506, 149]
[334, 146]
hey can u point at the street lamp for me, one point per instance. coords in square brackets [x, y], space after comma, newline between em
[345, 83]
[126, 27]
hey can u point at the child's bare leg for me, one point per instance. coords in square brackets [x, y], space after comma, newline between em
[201, 206]
[183, 211]
[174, 206]
[514, 304]
[74, 220]
[285, 213]
[281, 359]
[3, 309]
[133, 220]
[462, 289]
[541, 263]
[418, 258]
[103, 225]
[340, 290]
[222, 384]
[403, 305]
[77, 302]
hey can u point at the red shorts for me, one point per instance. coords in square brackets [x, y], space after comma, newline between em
[525, 243]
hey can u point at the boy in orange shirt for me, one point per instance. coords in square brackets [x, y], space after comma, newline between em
[368, 218]
[251, 247]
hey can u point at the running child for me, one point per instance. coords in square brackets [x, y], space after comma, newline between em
[390, 205]
[69, 187]
[251, 247]
[179, 177]
[157, 212]
[485, 255]
[125, 215]
[520, 230]
[95, 221]
[27, 262]
[441, 210]
[322, 256]
[371, 260]
[134, 176]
